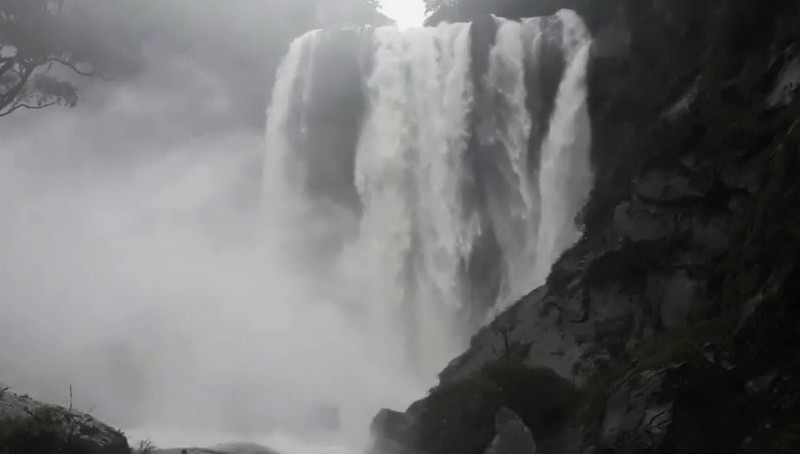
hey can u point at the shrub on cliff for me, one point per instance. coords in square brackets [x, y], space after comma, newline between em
[459, 417]
[54, 430]
[42, 432]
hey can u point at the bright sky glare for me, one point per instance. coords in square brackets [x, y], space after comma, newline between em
[407, 13]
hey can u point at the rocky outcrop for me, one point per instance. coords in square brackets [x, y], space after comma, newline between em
[28, 426]
[505, 408]
[513, 436]
[681, 408]
[642, 267]
[393, 433]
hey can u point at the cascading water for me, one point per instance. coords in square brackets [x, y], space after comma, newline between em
[440, 169]
[539, 168]
[409, 167]
[565, 176]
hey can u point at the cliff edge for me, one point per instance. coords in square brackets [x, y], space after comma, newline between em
[673, 325]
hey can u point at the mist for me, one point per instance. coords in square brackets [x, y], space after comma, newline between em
[137, 267]
[193, 273]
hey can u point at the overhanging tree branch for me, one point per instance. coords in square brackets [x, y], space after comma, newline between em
[7, 66]
[10, 97]
[73, 66]
[27, 106]
[37, 36]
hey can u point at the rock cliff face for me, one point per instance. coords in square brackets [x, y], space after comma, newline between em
[677, 313]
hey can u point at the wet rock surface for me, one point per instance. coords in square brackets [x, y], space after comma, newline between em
[684, 408]
[393, 431]
[677, 311]
[513, 436]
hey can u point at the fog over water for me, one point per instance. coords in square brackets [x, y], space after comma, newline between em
[136, 266]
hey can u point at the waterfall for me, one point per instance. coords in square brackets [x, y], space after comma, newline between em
[288, 95]
[409, 166]
[565, 176]
[511, 201]
[440, 190]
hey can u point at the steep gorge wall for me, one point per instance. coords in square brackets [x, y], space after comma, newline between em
[678, 308]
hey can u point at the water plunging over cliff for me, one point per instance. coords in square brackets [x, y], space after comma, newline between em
[439, 169]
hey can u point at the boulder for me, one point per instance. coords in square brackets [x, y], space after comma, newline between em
[392, 433]
[512, 435]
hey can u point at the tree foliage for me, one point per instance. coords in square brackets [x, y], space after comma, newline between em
[44, 430]
[39, 45]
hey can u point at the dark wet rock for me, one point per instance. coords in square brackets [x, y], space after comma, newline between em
[677, 309]
[536, 339]
[718, 355]
[506, 405]
[613, 40]
[634, 419]
[762, 384]
[787, 84]
[669, 186]
[641, 222]
[393, 432]
[681, 408]
[513, 436]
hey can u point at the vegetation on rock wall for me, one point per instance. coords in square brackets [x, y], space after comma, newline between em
[52, 430]
[31, 427]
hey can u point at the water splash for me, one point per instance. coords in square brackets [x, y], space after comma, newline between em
[408, 171]
[437, 166]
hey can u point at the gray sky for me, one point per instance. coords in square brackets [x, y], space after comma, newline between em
[407, 13]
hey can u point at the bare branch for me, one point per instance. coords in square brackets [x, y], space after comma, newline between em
[72, 425]
[27, 106]
[7, 65]
[72, 66]
[24, 83]
[10, 96]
